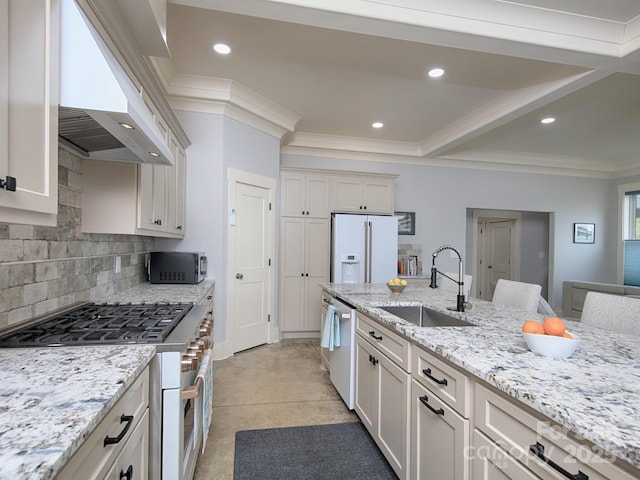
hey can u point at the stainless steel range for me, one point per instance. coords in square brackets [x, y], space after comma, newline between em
[181, 333]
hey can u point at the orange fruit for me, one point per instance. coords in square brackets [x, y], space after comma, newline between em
[531, 326]
[553, 326]
[567, 335]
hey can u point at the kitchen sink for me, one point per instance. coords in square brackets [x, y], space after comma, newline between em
[425, 317]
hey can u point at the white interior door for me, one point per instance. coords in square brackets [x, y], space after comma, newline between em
[251, 258]
[497, 254]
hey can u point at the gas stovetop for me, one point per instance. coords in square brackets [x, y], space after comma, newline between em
[101, 324]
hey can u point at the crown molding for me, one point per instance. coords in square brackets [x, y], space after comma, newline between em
[207, 94]
[353, 144]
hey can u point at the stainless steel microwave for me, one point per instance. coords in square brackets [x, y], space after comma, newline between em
[177, 267]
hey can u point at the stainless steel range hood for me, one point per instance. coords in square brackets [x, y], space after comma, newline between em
[102, 115]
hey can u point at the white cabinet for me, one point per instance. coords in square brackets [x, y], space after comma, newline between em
[439, 437]
[542, 448]
[440, 426]
[382, 396]
[304, 195]
[134, 199]
[356, 194]
[161, 195]
[119, 442]
[29, 89]
[304, 263]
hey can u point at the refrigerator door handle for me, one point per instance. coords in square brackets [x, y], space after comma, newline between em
[369, 260]
[366, 252]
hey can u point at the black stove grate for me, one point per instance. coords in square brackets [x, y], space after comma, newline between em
[101, 324]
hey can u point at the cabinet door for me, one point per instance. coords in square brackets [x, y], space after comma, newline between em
[29, 78]
[317, 232]
[152, 197]
[346, 195]
[393, 414]
[366, 384]
[176, 191]
[292, 267]
[317, 196]
[439, 438]
[292, 195]
[378, 196]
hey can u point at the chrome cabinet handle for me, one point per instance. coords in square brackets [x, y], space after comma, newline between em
[239, 276]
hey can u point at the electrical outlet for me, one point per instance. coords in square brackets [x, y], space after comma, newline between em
[118, 264]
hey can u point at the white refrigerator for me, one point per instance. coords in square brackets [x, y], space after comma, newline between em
[364, 248]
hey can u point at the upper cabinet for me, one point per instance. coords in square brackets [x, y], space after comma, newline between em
[142, 199]
[360, 194]
[304, 195]
[29, 77]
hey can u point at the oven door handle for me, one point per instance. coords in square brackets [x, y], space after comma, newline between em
[192, 391]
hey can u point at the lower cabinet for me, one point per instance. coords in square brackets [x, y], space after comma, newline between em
[119, 444]
[439, 438]
[545, 450]
[382, 403]
[491, 462]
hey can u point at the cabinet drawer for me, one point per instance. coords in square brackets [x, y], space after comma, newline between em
[391, 344]
[93, 459]
[490, 462]
[450, 384]
[516, 430]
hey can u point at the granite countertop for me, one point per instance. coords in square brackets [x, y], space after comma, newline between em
[157, 292]
[51, 399]
[595, 393]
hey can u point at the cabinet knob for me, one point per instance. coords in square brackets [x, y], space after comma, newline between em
[179, 227]
[158, 221]
[9, 183]
[239, 276]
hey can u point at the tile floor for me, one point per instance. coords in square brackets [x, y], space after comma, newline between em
[277, 385]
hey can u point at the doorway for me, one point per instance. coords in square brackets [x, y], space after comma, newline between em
[517, 245]
[251, 260]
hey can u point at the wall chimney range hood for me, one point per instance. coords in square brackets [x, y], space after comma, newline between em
[101, 114]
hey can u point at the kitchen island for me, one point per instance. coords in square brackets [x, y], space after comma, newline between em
[53, 399]
[594, 394]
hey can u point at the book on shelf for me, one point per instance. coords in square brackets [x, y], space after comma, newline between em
[408, 266]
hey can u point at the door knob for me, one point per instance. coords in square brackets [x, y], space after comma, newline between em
[239, 276]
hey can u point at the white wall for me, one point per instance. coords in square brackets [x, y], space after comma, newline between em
[440, 196]
[218, 143]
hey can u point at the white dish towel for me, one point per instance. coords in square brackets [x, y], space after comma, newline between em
[204, 403]
[331, 329]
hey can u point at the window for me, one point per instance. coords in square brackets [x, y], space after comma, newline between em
[631, 237]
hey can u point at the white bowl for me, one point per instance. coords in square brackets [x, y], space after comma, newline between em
[551, 345]
[396, 288]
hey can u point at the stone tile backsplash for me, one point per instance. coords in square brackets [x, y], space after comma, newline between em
[46, 268]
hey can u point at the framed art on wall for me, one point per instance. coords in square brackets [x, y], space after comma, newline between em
[406, 223]
[584, 233]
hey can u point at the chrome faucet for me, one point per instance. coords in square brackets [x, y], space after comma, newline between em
[460, 301]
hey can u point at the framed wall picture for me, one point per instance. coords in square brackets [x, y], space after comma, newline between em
[406, 223]
[584, 233]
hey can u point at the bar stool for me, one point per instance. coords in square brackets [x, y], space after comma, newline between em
[616, 313]
[524, 296]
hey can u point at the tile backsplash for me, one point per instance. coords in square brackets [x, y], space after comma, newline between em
[46, 268]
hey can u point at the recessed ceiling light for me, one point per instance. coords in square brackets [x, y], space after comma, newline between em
[154, 154]
[222, 48]
[548, 120]
[436, 72]
[127, 126]
[377, 124]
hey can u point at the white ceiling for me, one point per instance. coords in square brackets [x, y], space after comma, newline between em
[320, 72]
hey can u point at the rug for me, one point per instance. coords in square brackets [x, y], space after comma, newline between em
[341, 451]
